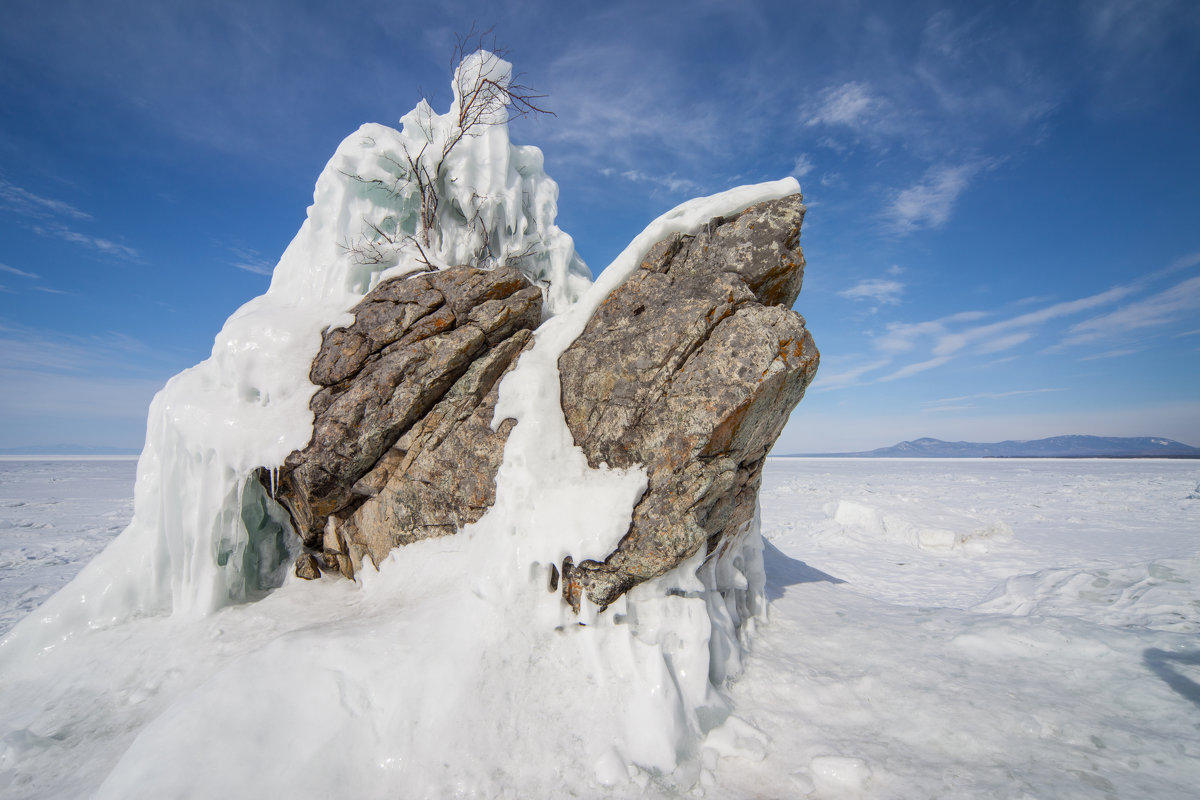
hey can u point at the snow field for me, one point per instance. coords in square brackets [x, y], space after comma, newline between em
[890, 669]
[55, 514]
[884, 670]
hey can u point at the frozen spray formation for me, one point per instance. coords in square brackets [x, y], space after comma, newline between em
[421, 679]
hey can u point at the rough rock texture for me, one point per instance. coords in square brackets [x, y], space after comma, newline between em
[690, 368]
[404, 412]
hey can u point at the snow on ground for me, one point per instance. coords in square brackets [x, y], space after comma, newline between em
[55, 514]
[1013, 629]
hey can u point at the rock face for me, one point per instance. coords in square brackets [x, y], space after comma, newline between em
[690, 368]
[406, 401]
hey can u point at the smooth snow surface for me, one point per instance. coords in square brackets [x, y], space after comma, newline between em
[1059, 661]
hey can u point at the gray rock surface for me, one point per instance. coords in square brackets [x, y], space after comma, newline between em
[690, 368]
[404, 380]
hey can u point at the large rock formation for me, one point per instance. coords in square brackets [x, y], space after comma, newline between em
[689, 368]
[403, 416]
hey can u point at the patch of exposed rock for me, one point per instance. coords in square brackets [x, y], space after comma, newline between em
[690, 368]
[402, 446]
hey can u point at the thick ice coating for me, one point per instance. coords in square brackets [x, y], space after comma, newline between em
[455, 648]
[189, 548]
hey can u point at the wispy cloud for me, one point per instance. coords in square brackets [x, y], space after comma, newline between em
[802, 166]
[98, 243]
[671, 183]
[615, 118]
[914, 369]
[251, 261]
[995, 337]
[1160, 309]
[1003, 343]
[1124, 351]
[929, 203]
[46, 219]
[848, 377]
[850, 104]
[957, 402]
[935, 343]
[14, 271]
[881, 292]
[24, 202]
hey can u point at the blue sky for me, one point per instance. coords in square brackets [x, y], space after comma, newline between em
[1003, 197]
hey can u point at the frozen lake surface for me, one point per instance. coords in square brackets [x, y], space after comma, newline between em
[940, 628]
[55, 514]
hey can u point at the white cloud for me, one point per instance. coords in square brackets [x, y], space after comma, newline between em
[1160, 309]
[994, 337]
[15, 271]
[987, 396]
[14, 198]
[827, 381]
[1125, 351]
[1183, 262]
[949, 337]
[252, 261]
[914, 369]
[848, 104]
[880, 291]
[928, 204]
[1004, 342]
[670, 183]
[106, 246]
[803, 166]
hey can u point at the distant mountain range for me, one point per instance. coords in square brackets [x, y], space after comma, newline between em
[1054, 447]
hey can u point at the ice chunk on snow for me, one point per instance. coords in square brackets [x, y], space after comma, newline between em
[1159, 595]
[927, 526]
[840, 776]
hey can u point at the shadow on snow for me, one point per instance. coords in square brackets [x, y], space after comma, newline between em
[784, 571]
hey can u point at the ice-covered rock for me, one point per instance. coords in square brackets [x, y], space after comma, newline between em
[405, 304]
[418, 361]
[688, 369]
[691, 368]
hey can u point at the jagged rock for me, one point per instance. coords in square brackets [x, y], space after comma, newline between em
[421, 355]
[689, 368]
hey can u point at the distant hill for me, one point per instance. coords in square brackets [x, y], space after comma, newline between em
[1054, 447]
